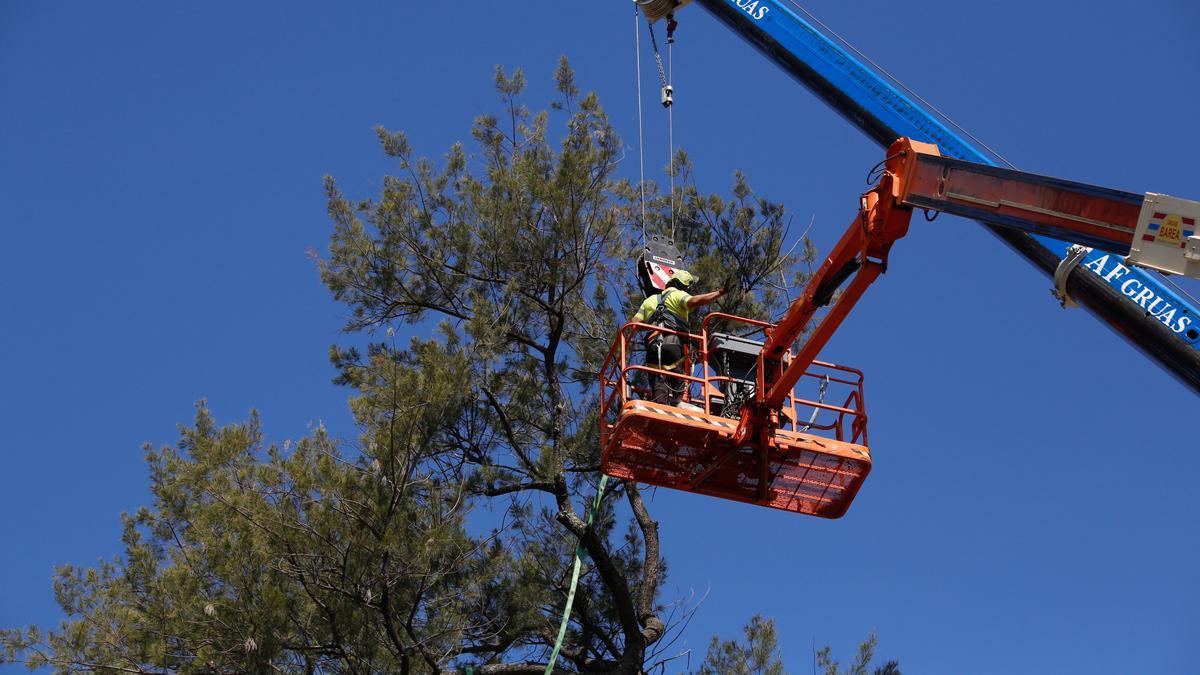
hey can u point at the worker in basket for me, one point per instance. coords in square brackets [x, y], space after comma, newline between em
[670, 309]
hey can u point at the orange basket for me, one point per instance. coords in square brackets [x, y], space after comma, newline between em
[813, 461]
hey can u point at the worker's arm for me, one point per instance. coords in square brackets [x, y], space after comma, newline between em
[704, 298]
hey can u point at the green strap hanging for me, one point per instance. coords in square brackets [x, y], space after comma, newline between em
[562, 627]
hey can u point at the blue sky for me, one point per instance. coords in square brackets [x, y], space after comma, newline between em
[1030, 509]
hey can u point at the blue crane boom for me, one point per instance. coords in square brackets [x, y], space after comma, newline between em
[1134, 302]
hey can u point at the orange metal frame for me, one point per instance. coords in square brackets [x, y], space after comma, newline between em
[862, 253]
[808, 468]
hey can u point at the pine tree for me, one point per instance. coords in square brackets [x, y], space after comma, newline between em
[758, 654]
[442, 536]
[861, 663]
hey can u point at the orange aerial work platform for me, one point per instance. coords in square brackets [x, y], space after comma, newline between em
[741, 431]
[812, 462]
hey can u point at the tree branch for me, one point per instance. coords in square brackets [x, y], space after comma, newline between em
[635, 641]
[651, 567]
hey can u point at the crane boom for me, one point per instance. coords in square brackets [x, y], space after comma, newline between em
[883, 113]
[1151, 230]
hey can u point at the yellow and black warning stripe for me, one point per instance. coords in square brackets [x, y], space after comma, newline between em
[681, 414]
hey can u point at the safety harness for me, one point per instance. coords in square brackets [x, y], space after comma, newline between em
[655, 341]
[662, 316]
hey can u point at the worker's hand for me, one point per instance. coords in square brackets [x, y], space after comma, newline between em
[726, 285]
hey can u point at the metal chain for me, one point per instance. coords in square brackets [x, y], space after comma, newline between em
[662, 73]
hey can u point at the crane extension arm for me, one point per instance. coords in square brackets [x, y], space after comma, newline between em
[1153, 231]
[869, 102]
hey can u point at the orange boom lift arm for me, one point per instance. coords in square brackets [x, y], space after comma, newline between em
[916, 175]
[860, 257]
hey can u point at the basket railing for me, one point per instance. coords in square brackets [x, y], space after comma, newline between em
[700, 383]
